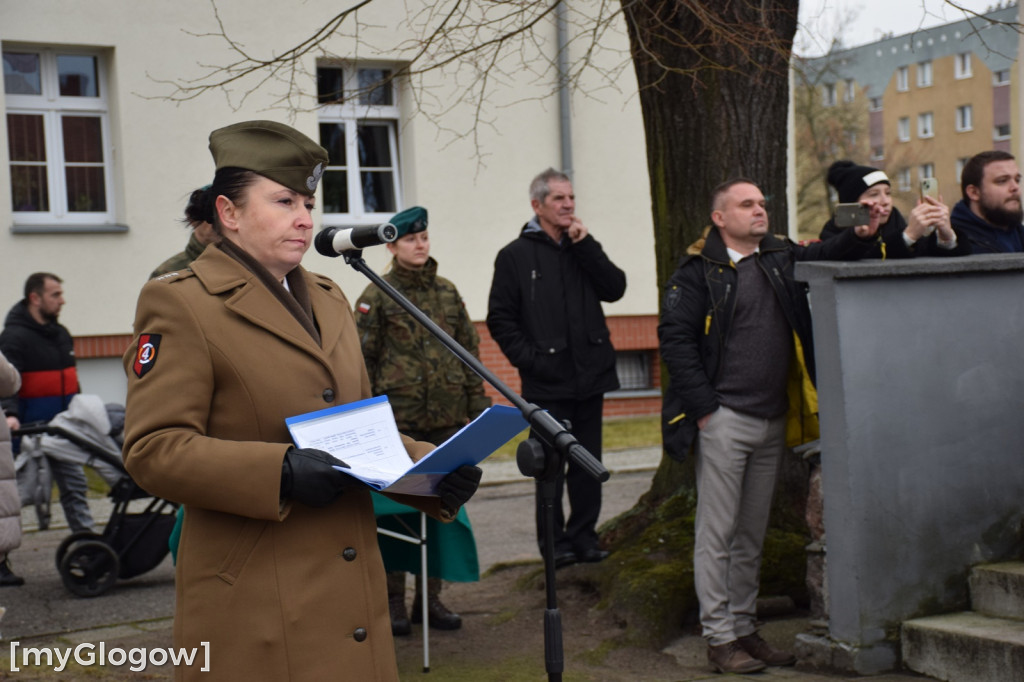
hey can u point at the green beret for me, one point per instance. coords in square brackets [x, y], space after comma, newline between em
[410, 220]
[273, 150]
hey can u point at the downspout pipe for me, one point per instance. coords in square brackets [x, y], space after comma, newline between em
[564, 110]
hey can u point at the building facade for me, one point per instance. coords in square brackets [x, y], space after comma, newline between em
[103, 140]
[916, 105]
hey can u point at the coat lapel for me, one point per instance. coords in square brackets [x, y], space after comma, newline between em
[249, 299]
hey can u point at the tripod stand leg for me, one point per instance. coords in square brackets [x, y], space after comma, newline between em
[554, 662]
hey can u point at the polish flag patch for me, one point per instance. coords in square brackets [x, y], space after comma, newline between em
[363, 307]
[145, 354]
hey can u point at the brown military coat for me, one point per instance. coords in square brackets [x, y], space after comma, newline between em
[280, 592]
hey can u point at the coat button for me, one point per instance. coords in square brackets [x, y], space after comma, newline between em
[359, 635]
[328, 395]
[349, 554]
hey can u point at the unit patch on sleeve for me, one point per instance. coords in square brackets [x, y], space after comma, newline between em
[364, 307]
[145, 354]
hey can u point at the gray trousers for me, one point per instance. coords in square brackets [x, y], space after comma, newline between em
[737, 462]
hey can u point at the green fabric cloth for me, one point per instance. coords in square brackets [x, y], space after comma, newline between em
[175, 537]
[451, 549]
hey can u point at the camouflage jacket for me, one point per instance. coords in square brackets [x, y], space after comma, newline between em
[180, 261]
[428, 387]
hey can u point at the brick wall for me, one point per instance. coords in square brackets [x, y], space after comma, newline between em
[629, 332]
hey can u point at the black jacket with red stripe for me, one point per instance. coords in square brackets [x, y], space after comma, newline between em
[45, 356]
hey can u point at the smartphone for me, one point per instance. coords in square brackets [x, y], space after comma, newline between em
[929, 188]
[849, 215]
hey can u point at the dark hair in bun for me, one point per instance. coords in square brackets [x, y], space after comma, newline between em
[202, 203]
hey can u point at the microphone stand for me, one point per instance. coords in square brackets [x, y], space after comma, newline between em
[532, 458]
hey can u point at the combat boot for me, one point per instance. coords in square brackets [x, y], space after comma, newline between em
[440, 617]
[396, 604]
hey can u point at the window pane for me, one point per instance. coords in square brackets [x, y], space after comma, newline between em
[77, 74]
[330, 84]
[375, 87]
[332, 138]
[374, 146]
[21, 74]
[86, 191]
[28, 188]
[25, 138]
[83, 140]
[378, 192]
[335, 184]
[633, 370]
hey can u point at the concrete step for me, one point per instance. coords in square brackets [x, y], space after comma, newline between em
[965, 647]
[998, 590]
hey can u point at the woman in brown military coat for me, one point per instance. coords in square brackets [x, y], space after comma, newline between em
[278, 567]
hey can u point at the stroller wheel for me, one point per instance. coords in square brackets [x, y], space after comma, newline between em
[89, 568]
[66, 543]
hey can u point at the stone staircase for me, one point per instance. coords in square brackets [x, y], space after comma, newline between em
[983, 645]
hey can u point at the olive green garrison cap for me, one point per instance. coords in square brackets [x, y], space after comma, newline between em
[274, 150]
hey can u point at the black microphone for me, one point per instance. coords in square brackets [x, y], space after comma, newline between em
[334, 241]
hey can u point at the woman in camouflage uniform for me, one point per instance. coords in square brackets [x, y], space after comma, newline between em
[433, 395]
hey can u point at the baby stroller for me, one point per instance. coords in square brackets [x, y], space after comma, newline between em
[133, 541]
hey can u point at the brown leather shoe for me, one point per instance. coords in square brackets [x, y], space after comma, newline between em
[731, 658]
[755, 645]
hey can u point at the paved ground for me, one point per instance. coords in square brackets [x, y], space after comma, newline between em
[140, 610]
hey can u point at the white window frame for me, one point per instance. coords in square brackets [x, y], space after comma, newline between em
[903, 79]
[51, 106]
[1001, 77]
[924, 74]
[960, 163]
[962, 65]
[849, 90]
[964, 118]
[903, 129]
[903, 180]
[877, 153]
[875, 104]
[926, 125]
[996, 135]
[828, 94]
[925, 170]
[352, 115]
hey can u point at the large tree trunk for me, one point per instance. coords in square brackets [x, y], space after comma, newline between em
[714, 92]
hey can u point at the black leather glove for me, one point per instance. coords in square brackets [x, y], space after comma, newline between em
[308, 476]
[456, 488]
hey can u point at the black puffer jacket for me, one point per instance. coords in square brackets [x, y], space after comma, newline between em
[44, 354]
[697, 311]
[544, 311]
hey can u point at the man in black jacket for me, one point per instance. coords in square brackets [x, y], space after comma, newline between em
[990, 213]
[735, 334]
[545, 313]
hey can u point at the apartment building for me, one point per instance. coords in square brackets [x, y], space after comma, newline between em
[920, 104]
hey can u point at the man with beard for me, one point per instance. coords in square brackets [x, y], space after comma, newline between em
[989, 215]
[42, 351]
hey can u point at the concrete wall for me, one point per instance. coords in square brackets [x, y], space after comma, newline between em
[921, 390]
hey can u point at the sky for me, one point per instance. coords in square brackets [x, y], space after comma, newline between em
[864, 21]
